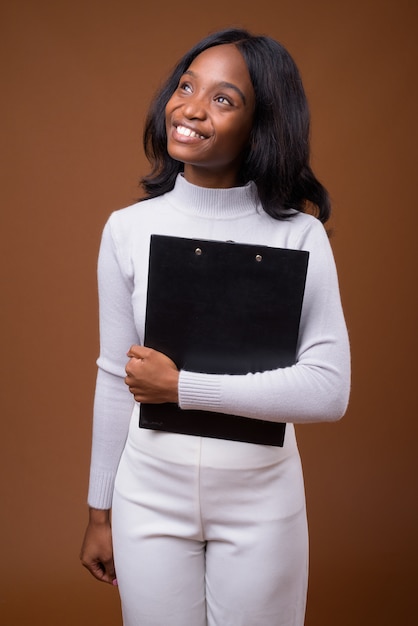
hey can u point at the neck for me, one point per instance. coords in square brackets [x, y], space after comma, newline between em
[209, 178]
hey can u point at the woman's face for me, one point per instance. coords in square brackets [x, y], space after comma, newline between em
[210, 115]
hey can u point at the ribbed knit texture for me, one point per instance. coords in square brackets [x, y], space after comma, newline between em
[202, 389]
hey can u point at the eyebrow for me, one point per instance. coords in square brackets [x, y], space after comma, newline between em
[224, 84]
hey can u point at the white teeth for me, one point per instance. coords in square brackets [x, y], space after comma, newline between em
[187, 132]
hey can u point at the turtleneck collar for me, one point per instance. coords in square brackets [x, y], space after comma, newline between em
[214, 203]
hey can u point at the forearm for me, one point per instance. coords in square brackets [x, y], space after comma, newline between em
[112, 411]
[296, 394]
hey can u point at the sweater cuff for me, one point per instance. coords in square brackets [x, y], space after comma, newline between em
[200, 392]
[100, 494]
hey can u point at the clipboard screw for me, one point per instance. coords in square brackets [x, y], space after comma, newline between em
[198, 251]
[258, 258]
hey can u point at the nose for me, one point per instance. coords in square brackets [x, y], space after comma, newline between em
[195, 107]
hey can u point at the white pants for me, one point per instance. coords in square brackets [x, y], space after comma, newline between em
[196, 545]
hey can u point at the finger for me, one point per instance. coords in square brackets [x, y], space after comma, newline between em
[131, 365]
[96, 569]
[110, 574]
[105, 572]
[129, 382]
[136, 352]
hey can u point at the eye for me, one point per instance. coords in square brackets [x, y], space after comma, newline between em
[223, 100]
[184, 86]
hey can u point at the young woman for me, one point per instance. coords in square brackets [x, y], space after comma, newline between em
[212, 531]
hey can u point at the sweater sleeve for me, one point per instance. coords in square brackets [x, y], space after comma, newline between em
[317, 387]
[113, 403]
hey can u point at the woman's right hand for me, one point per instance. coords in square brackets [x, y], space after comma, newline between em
[97, 550]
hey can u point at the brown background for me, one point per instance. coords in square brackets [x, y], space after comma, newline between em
[77, 76]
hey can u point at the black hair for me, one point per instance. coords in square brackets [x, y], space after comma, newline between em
[278, 154]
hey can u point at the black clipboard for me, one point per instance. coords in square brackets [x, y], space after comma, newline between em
[222, 308]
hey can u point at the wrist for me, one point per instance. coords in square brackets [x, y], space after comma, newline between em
[175, 387]
[99, 516]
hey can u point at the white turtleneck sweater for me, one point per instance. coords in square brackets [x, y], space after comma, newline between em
[315, 389]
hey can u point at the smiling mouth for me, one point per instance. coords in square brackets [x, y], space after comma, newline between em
[188, 132]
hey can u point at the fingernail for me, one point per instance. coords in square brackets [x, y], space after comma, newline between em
[114, 582]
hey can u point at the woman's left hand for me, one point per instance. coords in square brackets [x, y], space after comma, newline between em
[151, 376]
